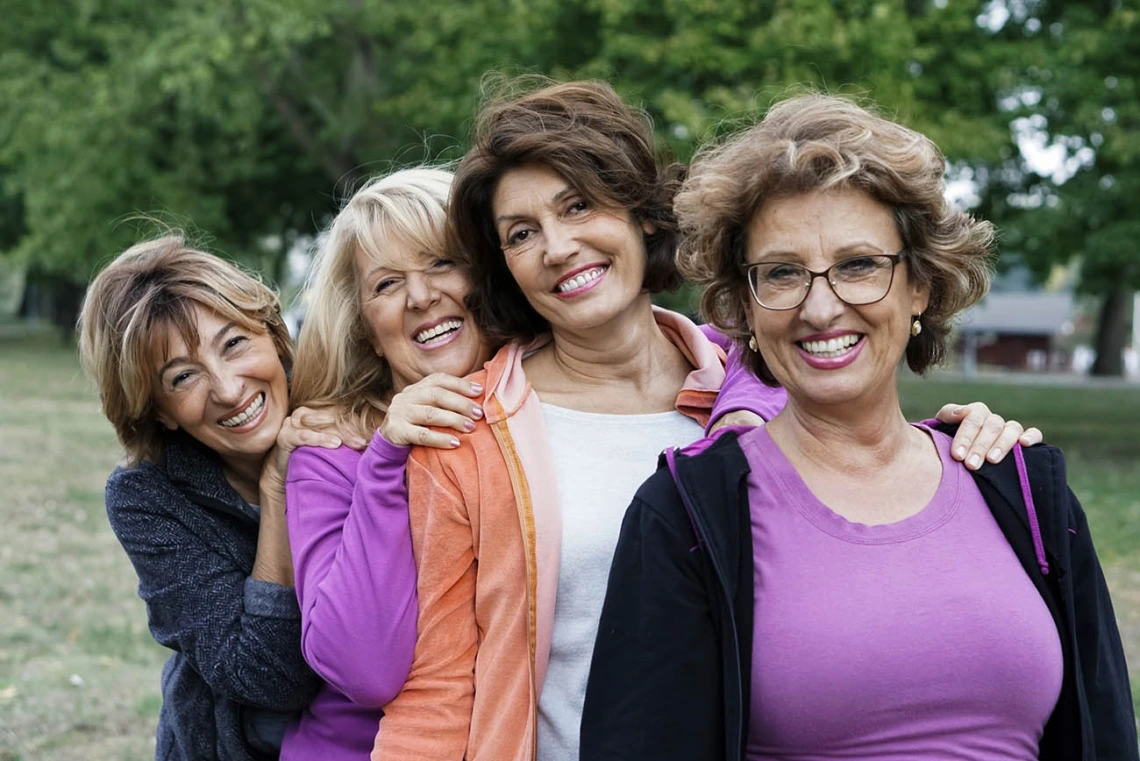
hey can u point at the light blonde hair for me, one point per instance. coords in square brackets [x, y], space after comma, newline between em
[818, 142]
[149, 289]
[337, 366]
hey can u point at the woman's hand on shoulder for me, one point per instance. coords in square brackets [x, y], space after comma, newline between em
[983, 435]
[439, 401]
[307, 427]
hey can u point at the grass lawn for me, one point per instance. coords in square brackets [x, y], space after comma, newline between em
[78, 669]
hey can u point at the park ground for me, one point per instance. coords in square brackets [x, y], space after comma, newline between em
[79, 672]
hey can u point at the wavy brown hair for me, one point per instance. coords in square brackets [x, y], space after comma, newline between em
[147, 291]
[818, 142]
[602, 147]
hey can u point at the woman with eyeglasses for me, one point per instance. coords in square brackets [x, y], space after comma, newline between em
[834, 584]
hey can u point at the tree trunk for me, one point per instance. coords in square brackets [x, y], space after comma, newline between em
[1112, 333]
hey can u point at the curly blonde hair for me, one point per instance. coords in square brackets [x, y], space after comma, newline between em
[337, 366]
[820, 142]
[149, 289]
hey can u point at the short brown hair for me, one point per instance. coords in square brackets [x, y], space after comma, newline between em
[817, 142]
[602, 147]
[149, 288]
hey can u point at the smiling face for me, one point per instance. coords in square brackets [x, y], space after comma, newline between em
[414, 305]
[228, 392]
[579, 265]
[826, 352]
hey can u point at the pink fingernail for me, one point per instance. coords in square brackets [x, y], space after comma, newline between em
[454, 443]
[476, 388]
[477, 411]
[468, 425]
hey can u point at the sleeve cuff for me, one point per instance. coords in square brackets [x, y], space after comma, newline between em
[264, 598]
[388, 451]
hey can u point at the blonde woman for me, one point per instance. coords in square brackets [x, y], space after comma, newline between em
[387, 319]
[190, 356]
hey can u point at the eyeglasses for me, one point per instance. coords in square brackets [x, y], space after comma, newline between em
[857, 281]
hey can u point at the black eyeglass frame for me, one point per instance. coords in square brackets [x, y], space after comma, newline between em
[747, 270]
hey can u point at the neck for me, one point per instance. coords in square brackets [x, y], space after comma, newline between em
[628, 350]
[244, 474]
[627, 366]
[864, 434]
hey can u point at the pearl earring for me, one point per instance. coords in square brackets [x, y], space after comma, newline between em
[752, 343]
[916, 326]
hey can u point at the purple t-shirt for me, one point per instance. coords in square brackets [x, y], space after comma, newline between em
[356, 582]
[920, 639]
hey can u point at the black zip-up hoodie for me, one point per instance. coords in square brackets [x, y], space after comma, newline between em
[672, 661]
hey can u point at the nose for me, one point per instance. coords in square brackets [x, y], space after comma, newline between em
[227, 387]
[822, 306]
[422, 291]
[561, 243]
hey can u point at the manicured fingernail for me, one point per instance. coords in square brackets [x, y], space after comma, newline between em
[476, 388]
[468, 425]
[957, 410]
[975, 461]
[994, 455]
[960, 452]
[336, 442]
[477, 411]
[359, 443]
[454, 443]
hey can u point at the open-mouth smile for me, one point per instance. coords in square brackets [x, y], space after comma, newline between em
[247, 415]
[580, 281]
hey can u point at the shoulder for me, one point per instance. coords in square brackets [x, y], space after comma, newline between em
[709, 470]
[322, 464]
[144, 484]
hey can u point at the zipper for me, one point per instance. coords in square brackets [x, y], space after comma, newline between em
[721, 577]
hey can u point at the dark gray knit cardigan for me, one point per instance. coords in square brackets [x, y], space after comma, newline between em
[236, 640]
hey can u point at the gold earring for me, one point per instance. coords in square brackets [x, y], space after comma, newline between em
[916, 326]
[752, 343]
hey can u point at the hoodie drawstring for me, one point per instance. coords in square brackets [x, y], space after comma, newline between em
[1031, 511]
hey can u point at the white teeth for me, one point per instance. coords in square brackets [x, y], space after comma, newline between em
[247, 414]
[444, 327]
[832, 347]
[578, 281]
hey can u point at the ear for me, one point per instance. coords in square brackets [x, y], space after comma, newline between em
[648, 227]
[919, 298]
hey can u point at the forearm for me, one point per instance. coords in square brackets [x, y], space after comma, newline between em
[356, 577]
[274, 560]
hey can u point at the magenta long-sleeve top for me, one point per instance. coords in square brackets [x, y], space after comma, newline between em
[356, 584]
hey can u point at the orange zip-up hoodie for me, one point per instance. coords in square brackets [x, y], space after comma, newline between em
[486, 530]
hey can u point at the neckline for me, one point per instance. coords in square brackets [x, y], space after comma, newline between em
[569, 413]
[935, 513]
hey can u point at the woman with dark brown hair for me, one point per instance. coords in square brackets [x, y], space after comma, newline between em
[567, 221]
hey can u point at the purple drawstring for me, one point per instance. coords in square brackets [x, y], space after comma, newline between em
[1031, 511]
[671, 461]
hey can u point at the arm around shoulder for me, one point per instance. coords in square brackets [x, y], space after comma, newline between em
[355, 573]
[655, 689]
[1103, 669]
[431, 717]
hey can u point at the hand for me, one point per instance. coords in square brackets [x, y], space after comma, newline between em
[438, 400]
[982, 435]
[306, 427]
[737, 417]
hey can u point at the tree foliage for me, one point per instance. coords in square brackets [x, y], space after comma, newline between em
[247, 120]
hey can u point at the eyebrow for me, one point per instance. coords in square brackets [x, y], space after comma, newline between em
[178, 360]
[559, 196]
[796, 256]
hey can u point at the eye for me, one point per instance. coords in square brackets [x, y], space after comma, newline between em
[179, 379]
[784, 273]
[234, 341]
[384, 285]
[519, 235]
[577, 206]
[857, 267]
[442, 264]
